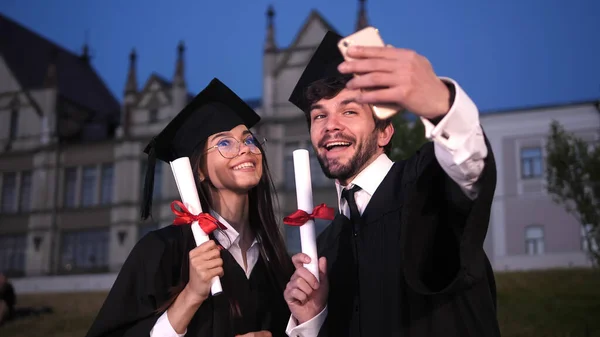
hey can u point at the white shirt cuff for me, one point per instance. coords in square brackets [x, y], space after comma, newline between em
[163, 328]
[309, 328]
[458, 140]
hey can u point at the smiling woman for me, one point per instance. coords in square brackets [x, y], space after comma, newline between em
[163, 288]
[236, 165]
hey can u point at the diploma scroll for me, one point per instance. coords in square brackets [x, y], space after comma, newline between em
[304, 196]
[184, 178]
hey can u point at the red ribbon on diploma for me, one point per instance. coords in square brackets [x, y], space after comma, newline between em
[206, 221]
[300, 217]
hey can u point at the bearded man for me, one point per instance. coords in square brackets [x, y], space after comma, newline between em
[405, 256]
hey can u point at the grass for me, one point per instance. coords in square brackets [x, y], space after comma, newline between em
[542, 303]
[72, 316]
[558, 302]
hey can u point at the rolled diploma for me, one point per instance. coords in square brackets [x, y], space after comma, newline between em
[304, 195]
[184, 178]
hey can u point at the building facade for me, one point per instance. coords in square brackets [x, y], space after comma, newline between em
[72, 166]
[527, 229]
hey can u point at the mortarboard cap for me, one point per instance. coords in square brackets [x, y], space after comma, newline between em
[322, 65]
[215, 109]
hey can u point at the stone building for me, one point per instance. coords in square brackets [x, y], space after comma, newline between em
[72, 167]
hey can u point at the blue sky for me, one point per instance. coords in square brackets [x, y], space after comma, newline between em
[510, 53]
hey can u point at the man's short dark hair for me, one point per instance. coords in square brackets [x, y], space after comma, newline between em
[328, 88]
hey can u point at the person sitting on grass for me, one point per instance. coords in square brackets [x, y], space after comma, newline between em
[7, 299]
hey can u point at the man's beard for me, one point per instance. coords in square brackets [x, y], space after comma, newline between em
[364, 152]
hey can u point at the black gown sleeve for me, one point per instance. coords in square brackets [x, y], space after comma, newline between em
[444, 231]
[142, 285]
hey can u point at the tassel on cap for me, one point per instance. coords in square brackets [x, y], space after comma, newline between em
[149, 181]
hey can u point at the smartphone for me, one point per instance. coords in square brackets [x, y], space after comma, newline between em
[368, 37]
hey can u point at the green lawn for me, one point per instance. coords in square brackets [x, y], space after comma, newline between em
[549, 303]
[543, 303]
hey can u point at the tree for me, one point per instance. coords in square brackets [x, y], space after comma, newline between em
[573, 176]
[408, 136]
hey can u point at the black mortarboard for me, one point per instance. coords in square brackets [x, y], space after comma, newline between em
[322, 65]
[215, 109]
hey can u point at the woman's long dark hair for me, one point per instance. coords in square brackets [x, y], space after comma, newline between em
[261, 219]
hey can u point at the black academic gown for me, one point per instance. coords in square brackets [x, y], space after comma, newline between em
[416, 267]
[157, 264]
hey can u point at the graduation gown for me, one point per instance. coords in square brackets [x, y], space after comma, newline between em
[416, 267]
[157, 264]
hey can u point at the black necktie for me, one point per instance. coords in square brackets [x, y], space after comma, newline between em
[354, 213]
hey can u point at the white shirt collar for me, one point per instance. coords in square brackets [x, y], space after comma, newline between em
[230, 236]
[369, 178]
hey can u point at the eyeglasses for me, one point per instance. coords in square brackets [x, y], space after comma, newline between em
[229, 147]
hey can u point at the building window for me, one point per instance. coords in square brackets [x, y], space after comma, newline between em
[290, 179]
[12, 254]
[289, 182]
[534, 240]
[14, 124]
[157, 189]
[70, 186]
[106, 187]
[84, 251]
[9, 192]
[316, 172]
[25, 195]
[585, 232]
[531, 162]
[153, 116]
[88, 185]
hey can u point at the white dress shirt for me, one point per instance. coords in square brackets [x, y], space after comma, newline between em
[460, 150]
[230, 240]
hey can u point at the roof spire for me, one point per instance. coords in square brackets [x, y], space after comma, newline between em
[362, 21]
[131, 84]
[270, 40]
[85, 55]
[179, 76]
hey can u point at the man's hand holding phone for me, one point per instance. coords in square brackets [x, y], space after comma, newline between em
[391, 79]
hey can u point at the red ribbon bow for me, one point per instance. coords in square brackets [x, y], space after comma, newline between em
[206, 221]
[300, 217]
